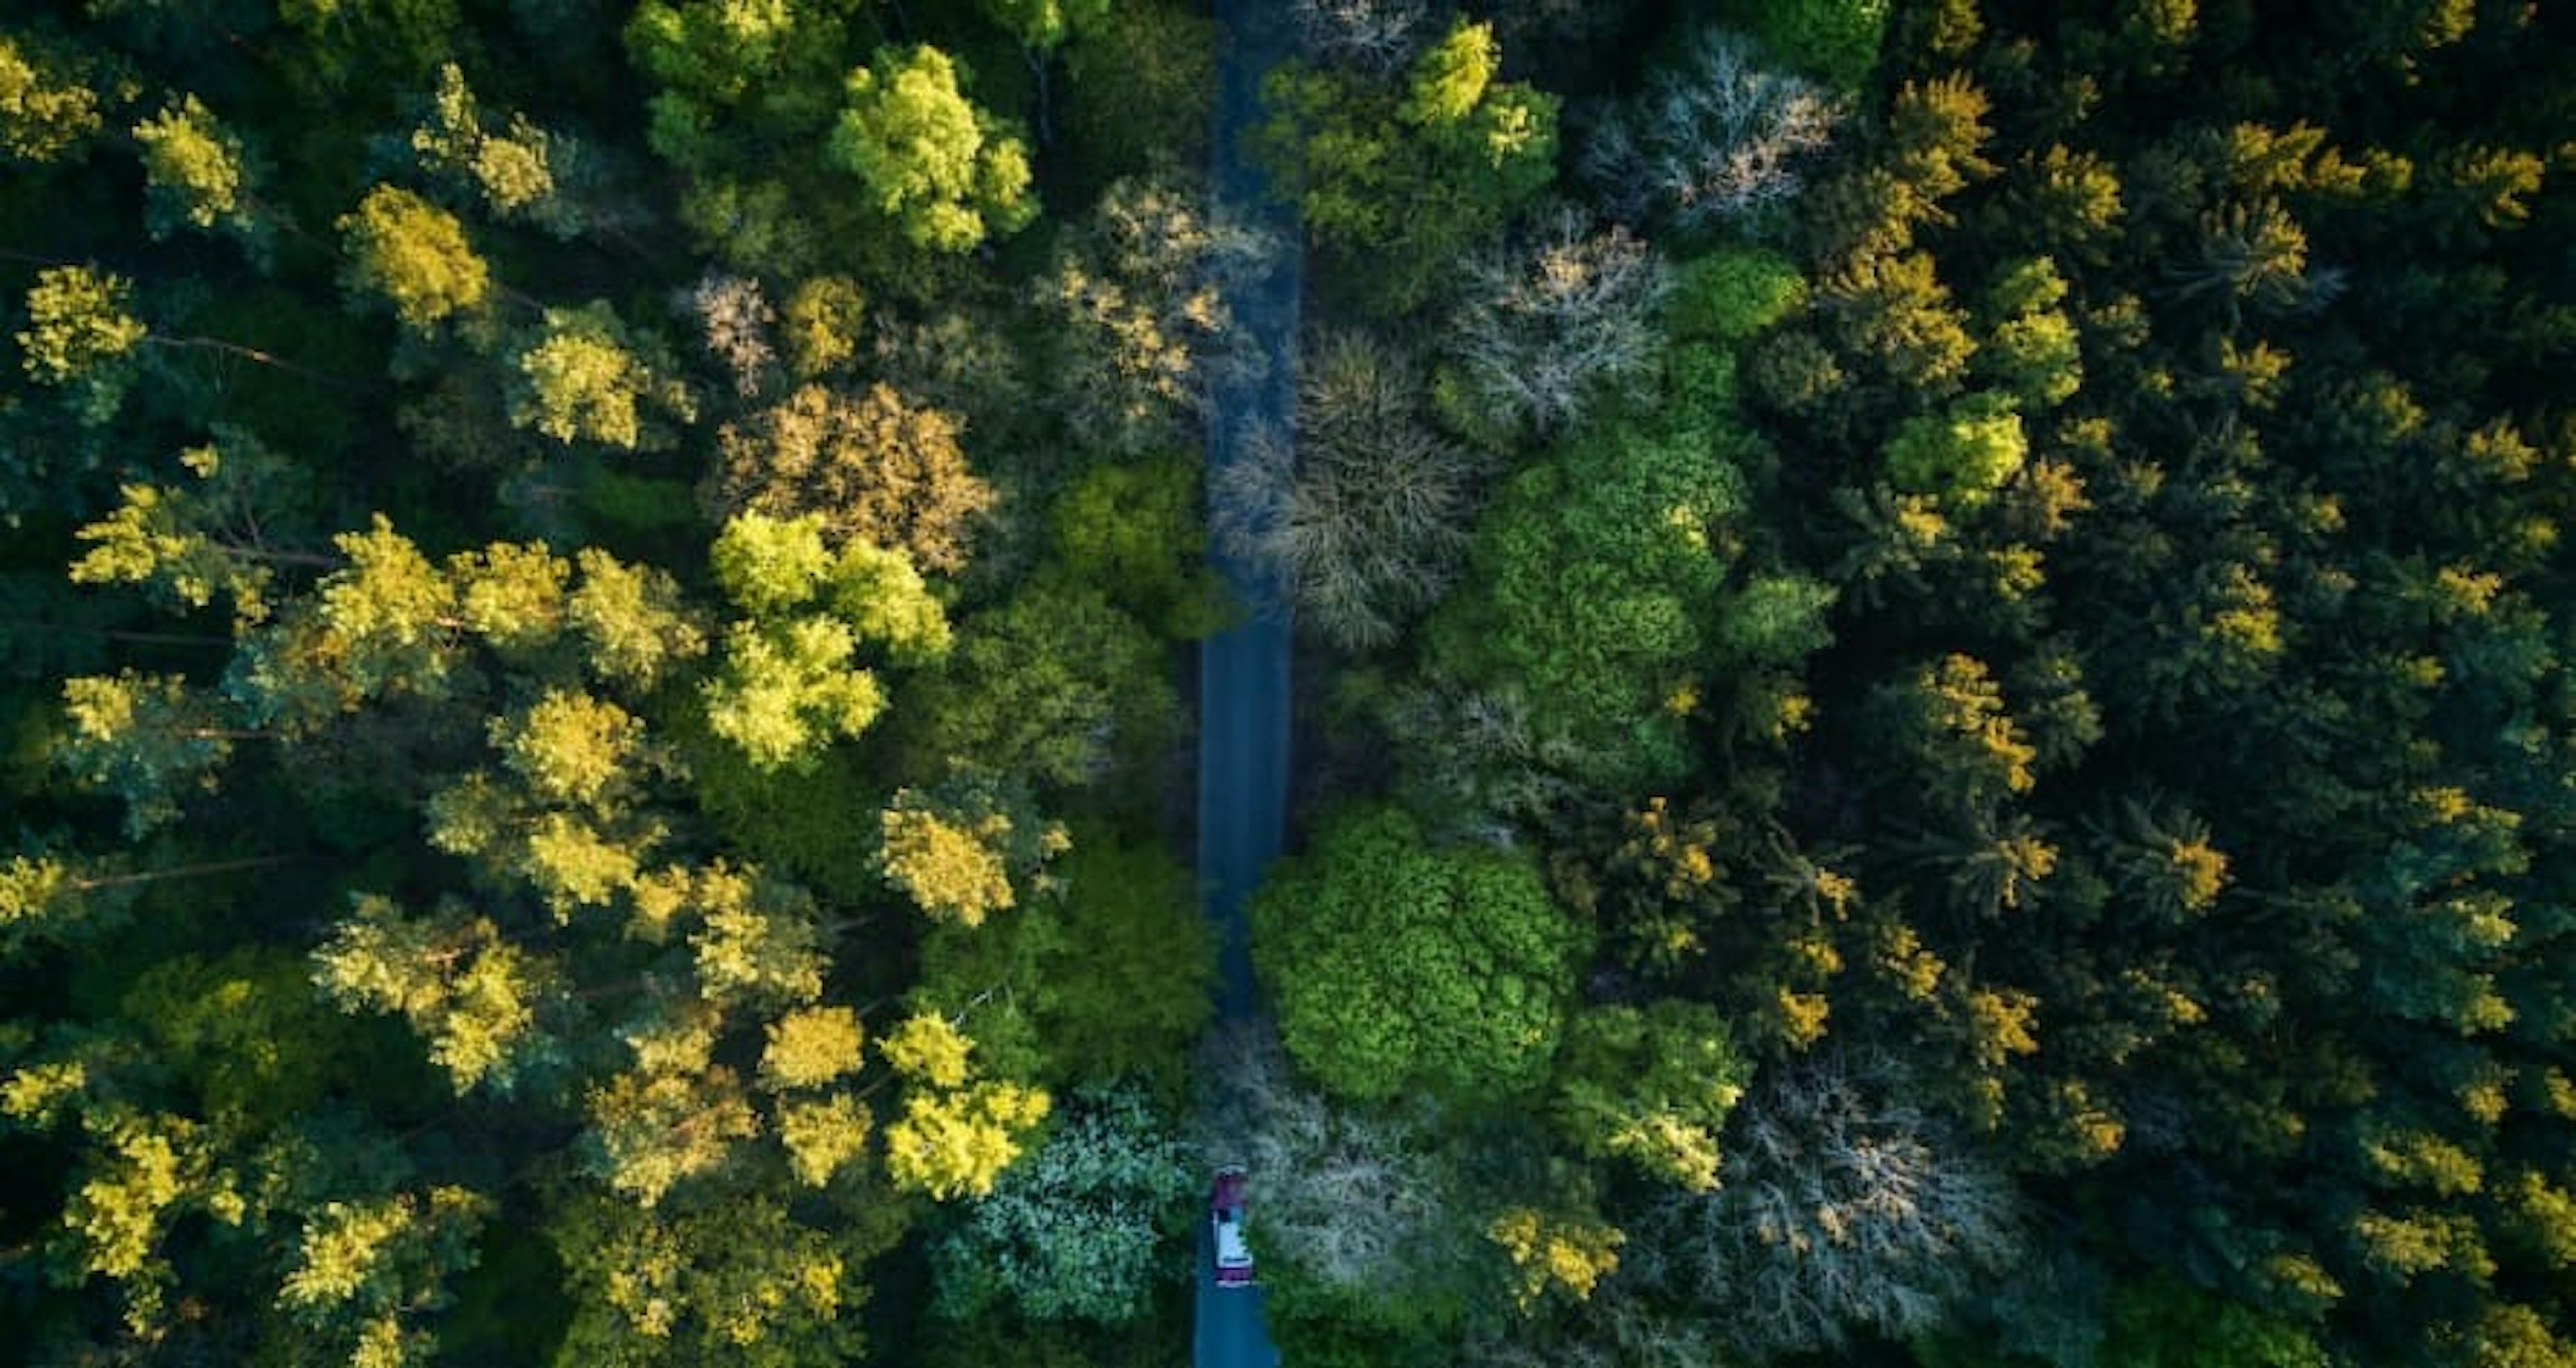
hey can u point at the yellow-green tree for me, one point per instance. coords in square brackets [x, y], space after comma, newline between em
[1397, 178]
[414, 256]
[945, 173]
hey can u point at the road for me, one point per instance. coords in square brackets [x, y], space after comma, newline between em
[1243, 673]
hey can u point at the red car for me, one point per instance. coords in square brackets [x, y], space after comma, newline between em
[1225, 1219]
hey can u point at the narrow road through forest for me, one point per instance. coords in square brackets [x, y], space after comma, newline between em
[1243, 673]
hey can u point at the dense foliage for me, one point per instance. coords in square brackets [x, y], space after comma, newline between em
[1931, 729]
[548, 613]
[2007, 560]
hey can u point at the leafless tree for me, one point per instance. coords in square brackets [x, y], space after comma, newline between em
[1546, 329]
[1374, 35]
[734, 318]
[1714, 138]
[1364, 517]
[1494, 770]
[1844, 1208]
[1142, 286]
[1614, 1328]
[1352, 1199]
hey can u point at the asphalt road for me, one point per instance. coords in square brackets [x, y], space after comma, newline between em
[1243, 673]
[1230, 1332]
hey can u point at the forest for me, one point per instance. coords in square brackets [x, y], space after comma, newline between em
[1929, 721]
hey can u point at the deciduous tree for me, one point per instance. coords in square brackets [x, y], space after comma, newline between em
[79, 336]
[1542, 332]
[1397, 178]
[584, 376]
[47, 107]
[1398, 965]
[1653, 1087]
[1017, 697]
[1142, 288]
[1362, 518]
[198, 173]
[524, 173]
[1844, 1210]
[1080, 1229]
[1136, 528]
[1717, 138]
[148, 739]
[415, 256]
[869, 465]
[946, 174]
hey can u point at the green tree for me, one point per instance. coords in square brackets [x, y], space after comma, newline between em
[47, 108]
[526, 173]
[1653, 1087]
[1105, 973]
[572, 749]
[1397, 964]
[1596, 581]
[812, 1047]
[954, 866]
[1082, 1228]
[1139, 79]
[1042, 24]
[1551, 1253]
[741, 1279]
[242, 1036]
[772, 64]
[385, 623]
[782, 691]
[1837, 40]
[1732, 294]
[415, 256]
[2033, 350]
[1396, 181]
[790, 680]
[742, 95]
[148, 739]
[769, 565]
[1129, 985]
[820, 325]
[1962, 455]
[585, 377]
[958, 1131]
[80, 337]
[944, 172]
[673, 1119]
[1019, 697]
[631, 619]
[365, 1272]
[1134, 527]
[141, 1173]
[958, 1143]
[472, 995]
[198, 173]
[2160, 1321]
[216, 533]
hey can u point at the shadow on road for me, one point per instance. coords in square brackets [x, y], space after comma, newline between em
[1243, 675]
